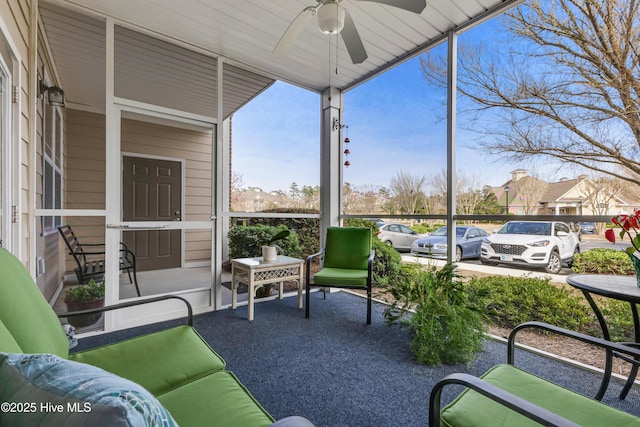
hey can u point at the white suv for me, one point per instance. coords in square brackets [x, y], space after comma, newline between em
[546, 244]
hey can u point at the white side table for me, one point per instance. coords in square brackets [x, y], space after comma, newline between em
[255, 273]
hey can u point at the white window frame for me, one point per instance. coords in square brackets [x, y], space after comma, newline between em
[52, 182]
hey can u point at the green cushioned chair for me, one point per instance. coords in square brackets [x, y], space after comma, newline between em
[347, 260]
[509, 396]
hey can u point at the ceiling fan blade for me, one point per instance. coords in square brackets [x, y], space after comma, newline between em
[415, 6]
[292, 32]
[352, 40]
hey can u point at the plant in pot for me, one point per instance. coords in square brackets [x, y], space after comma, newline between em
[270, 250]
[84, 297]
[270, 254]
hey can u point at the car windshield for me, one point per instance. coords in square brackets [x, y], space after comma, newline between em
[536, 228]
[442, 231]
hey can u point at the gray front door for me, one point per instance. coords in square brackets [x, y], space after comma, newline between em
[152, 191]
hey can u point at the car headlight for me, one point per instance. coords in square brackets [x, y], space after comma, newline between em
[540, 243]
[440, 246]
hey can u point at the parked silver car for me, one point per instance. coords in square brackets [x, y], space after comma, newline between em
[468, 242]
[397, 235]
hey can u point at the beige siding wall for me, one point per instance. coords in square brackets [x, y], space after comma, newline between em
[84, 178]
[49, 246]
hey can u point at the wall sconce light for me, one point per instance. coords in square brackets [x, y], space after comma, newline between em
[55, 95]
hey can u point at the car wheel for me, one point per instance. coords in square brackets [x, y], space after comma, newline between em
[389, 242]
[458, 253]
[555, 263]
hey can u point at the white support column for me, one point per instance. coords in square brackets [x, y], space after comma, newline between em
[220, 162]
[452, 71]
[330, 160]
[112, 180]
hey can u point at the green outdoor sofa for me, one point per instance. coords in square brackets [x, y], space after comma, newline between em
[511, 397]
[164, 378]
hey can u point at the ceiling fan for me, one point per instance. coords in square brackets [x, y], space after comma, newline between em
[333, 18]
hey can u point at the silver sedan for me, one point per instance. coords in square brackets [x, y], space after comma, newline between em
[468, 242]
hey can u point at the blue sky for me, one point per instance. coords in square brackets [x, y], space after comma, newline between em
[395, 122]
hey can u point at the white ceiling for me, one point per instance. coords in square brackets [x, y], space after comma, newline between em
[244, 32]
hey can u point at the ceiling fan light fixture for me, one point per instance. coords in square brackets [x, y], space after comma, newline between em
[331, 18]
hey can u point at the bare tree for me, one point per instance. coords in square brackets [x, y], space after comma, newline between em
[237, 195]
[408, 191]
[600, 193]
[529, 190]
[469, 195]
[564, 84]
[351, 201]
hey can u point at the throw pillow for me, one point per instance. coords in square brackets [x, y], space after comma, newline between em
[43, 389]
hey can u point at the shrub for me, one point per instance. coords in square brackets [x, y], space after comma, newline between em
[247, 241]
[387, 262]
[307, 229]
[444, 328]
[603, 261]
[510, 301]
[424, 228]
[619, 320]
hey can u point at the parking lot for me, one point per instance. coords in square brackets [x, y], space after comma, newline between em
[589, 241]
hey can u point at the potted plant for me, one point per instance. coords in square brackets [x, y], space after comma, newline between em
[84, 297]
[270, 250]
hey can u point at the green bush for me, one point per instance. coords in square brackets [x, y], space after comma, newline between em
[387, 262]
[307, 229]
[603, 261]
[247, 241]
[424, 228]
[510, 301]
[619, 320]
[444, 327]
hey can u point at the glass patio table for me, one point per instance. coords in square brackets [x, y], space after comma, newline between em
[622, 288]
[255, 272]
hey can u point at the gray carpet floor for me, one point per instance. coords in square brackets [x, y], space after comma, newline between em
[337, 371]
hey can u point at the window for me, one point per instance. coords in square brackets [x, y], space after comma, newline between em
[52, 166]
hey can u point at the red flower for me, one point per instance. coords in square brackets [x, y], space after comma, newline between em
[610, 234]
[627, 223]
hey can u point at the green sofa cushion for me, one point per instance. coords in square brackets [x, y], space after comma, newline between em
[58, 392]
[25, 313]
[347, 247]
[216, 400]
[343, 276]
[159, 361]
[7, 343]
[471, 408]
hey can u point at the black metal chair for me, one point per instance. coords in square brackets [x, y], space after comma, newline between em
[91, 263]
